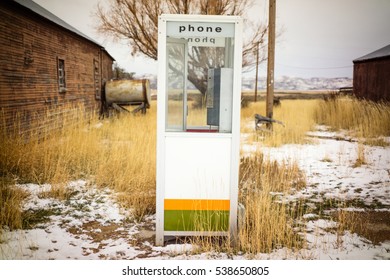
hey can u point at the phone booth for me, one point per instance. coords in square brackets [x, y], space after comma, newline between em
[198, 125]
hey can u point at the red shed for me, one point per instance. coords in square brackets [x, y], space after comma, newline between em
[371, 75]
[46, 65]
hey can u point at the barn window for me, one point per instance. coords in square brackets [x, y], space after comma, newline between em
[96, 78]
[61, 75]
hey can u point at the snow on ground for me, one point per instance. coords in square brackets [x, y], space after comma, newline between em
[330, 172]
[73, 228]
[91, 225]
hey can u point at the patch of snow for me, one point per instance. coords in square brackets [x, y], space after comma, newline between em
[329, 169]
[54, 240]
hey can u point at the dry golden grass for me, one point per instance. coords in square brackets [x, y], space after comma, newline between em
[58, 191]
[267, 223]
[364, 119]
[11, 199]
[351, 221]
[49, 155]
[361, 157]
[128, 160]
[120, 153]
[296, 116]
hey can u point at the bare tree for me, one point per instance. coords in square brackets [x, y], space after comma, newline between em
[137, 22]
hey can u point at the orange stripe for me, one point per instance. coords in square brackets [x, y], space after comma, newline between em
[196, 204]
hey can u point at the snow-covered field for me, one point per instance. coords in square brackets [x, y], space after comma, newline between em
[91, 225]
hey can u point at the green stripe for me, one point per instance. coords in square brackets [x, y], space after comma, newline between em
[196, 220]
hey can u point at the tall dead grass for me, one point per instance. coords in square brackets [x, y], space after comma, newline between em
[11, 199]
[363, 118]
[267, 223]
[296, 116]
[118, 153]
[55, 153]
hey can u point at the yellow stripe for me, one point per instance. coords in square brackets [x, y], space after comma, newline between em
[196, 204]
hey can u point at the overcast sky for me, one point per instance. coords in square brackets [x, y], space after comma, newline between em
[320, 38]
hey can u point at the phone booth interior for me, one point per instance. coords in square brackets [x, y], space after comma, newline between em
[198, 115]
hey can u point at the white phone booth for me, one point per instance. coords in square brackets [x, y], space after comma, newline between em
[198, 125]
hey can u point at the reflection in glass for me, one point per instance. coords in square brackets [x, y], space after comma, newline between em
[191, 90]
[176, 86]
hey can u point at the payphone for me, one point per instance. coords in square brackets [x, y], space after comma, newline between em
[198, 125]
[219, 98]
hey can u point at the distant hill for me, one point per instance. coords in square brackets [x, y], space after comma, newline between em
[284, 83]
[295, 83]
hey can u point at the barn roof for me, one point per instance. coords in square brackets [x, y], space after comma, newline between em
[381, 53]
[37, 9]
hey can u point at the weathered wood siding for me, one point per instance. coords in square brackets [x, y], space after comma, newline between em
[30, 47]
[371, 79]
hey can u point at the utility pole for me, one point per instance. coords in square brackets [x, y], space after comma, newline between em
[271, 60]
[257, 70]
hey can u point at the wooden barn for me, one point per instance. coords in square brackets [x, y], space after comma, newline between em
[46, 66]
[371, 75]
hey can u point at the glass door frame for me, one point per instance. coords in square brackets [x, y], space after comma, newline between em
[177, 42]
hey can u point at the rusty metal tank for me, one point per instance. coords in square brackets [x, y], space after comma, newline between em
[128, 92]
